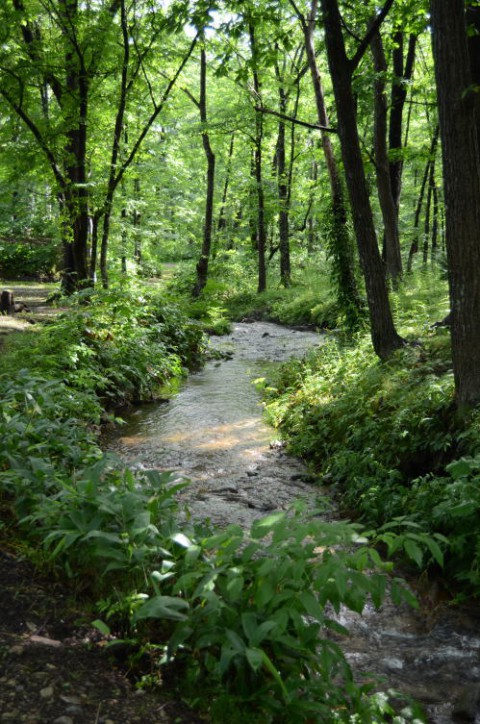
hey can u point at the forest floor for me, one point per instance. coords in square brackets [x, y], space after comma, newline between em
[32, 299]
[53, 665]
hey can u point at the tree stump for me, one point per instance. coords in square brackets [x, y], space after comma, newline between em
[6, 302]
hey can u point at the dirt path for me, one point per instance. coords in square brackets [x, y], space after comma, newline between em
[53, 664]
[32, 298]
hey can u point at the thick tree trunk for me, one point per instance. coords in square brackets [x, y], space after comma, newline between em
[76, 193]
[384, 335]
[459, 125]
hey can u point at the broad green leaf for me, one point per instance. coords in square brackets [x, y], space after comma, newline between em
[102, 627]
[254, 658]
[167, 607]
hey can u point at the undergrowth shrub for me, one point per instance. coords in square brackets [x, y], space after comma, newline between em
[118, 344]
[386, 436]
[254, 617]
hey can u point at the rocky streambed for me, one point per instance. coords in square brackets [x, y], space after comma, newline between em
[212, 433]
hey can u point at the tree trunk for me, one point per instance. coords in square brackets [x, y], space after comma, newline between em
[397, 103]
[459, 125]
[393, 258]
[258, 173]
[418, 210]
[202, 264]
[283, 190]
[340, 250]
[137, 240]
[385, 338]
[222, 218]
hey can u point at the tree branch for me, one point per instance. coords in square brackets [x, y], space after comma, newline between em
[305, 124]
[38, 136]
[151, 120]
[362, 48]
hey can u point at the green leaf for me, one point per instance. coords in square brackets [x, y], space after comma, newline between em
[460, 468]
[182, 540]
[102, 627]
[255, 658]
[261, 528]
[167, 607]
[413, 551]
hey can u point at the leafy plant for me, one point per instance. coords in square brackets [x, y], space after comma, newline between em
[253, 615]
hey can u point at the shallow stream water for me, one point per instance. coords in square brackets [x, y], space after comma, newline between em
[212, 433]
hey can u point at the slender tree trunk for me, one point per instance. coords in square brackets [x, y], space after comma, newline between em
[428, 209]
[137, 248]
[385, 338]
[393, 258]
[202, 264]
[402, 74]
[418, 210]
[222, 217]
[459, 124]
[94, 249]
[435, 222]
[341, 250]
[283, 191]
[258, 172]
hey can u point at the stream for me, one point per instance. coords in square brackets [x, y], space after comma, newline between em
[212, 433]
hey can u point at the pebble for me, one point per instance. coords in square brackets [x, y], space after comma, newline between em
[47, 692]
[63, 720]
[71, 699]
[17, 649]
[393, 664]
[74, 709]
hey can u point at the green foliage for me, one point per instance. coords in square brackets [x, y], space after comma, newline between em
[35, 259]
[370, 424]
[119, 345]
[450, 503]
[386, 436]
[256, 629]
[42, 439]
[340, 250]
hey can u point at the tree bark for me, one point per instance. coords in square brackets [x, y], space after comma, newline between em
[202, 264]
[283, 190]
[459, 127]
[403, 73]
[261, 236]
[393, 257]
[340, 249]
[385, 338]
